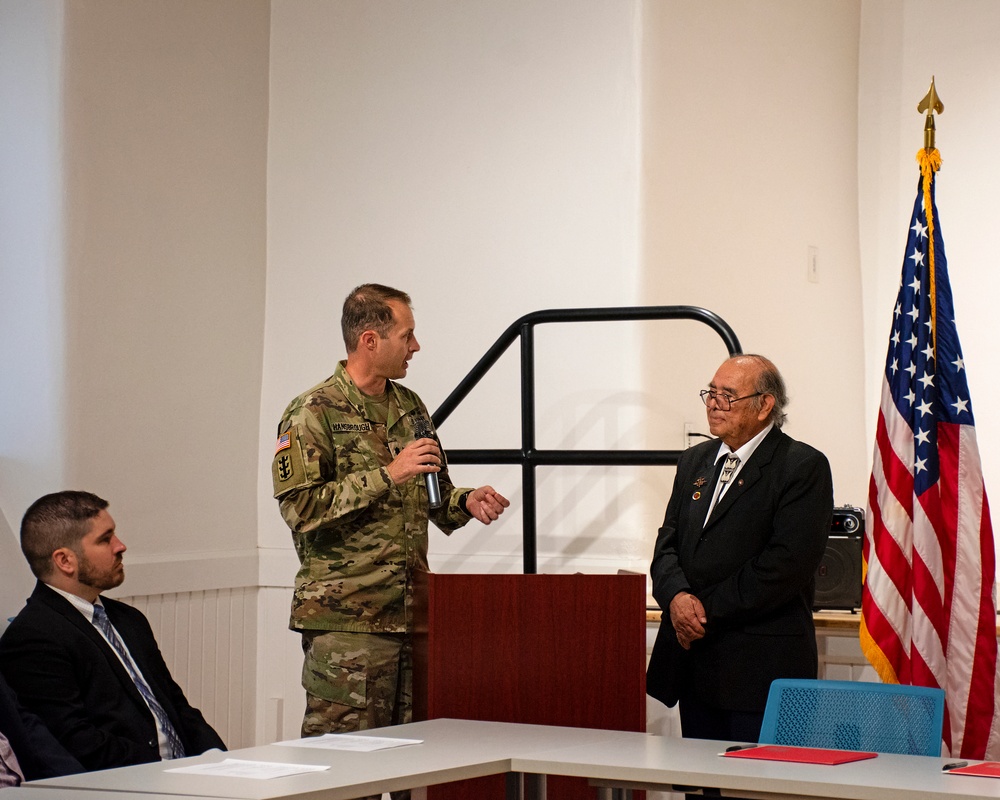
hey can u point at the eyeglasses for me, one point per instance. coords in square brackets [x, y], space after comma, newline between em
[723, 401]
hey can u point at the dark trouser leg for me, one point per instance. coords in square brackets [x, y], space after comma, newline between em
[699, 721]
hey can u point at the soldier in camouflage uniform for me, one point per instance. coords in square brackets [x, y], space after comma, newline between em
[349, 475]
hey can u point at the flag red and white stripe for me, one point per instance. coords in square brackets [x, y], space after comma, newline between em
[929, 605]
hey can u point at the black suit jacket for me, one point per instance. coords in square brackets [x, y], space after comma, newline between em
[37, 750]
[64, 671]
[753, 568]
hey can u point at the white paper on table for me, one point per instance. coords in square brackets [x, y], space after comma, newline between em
[346, 741]
[256, 770]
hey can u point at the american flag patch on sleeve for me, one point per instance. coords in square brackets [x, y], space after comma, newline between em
[284, 442]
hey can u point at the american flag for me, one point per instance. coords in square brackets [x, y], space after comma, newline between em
[929, 608]
[284, 441]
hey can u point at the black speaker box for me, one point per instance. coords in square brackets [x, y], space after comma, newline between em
[838, 578]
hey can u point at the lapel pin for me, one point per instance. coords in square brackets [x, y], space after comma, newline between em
[700, 482]
[696, 496]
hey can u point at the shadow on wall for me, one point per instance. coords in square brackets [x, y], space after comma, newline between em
[16, 582]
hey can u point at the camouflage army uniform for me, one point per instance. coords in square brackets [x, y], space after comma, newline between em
[360, 539]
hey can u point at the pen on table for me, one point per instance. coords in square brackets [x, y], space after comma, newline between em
[954, 765]
[736, 747]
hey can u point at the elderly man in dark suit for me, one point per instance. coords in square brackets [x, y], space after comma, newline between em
[88, 665]
[735, 560]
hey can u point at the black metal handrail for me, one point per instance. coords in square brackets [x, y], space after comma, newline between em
[529, 456]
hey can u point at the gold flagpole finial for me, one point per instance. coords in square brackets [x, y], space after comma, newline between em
[931, 104]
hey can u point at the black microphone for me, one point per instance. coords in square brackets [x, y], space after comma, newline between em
[422, 430]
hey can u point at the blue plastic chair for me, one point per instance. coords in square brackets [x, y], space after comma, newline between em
[850, 715]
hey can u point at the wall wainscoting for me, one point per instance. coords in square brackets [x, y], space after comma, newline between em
[209, 641]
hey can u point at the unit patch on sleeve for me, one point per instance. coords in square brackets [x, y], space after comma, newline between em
[287, 468]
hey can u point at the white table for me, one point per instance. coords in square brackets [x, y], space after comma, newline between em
[34, 792]
[459, 749]
[452, 750]
[639, 761]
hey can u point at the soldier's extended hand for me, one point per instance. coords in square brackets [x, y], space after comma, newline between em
[486, 504]
[418, 458]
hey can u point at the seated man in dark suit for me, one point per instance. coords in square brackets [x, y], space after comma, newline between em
[31, 752]
[88, 665]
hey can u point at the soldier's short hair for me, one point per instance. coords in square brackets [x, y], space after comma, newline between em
[367, 309]
[56, 520]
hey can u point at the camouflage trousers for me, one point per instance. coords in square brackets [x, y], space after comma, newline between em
[355, 681]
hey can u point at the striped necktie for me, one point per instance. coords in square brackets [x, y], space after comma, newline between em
[104, 624]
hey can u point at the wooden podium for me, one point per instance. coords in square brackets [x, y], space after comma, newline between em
[542, 649]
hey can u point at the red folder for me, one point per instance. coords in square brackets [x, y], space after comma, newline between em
[988, 769]
[800, 755]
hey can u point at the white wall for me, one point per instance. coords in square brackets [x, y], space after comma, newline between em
[32, 449]
[166, 113]
[750, 119]
[486, 157]
[132, 261]
[482, 156]
[904, 44]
